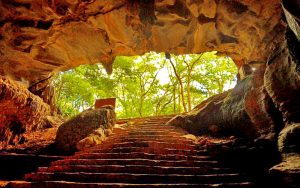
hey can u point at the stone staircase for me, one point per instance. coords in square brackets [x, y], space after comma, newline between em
[146, 154]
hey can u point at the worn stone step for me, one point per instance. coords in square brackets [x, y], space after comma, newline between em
[147, 131]
[135, 169]
[149, 150]
[152, 132]
[155, 127]
[132, 178]
[146, 137]
[150, 124]
[149, 128]
[14, 166]
[138, 161]
[147, 144]
[178, 140]
[140, 155]
[64, 184]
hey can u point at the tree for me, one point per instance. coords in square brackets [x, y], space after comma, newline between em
[146, 85]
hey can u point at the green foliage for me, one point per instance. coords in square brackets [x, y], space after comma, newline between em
[146, 85]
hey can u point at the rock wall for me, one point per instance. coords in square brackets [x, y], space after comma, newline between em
[282, 80]
[245, 111]
[40, 37]
[21, 111]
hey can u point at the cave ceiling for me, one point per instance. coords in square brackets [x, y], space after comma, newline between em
[41, 37]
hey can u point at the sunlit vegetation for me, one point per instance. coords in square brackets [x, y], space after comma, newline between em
[152, 84]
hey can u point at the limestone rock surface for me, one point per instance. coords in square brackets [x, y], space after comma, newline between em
[21, 112]
[289, 138]
[245, 111]
[87, 129]
[282, 82]
[287, 172]
[40, 37]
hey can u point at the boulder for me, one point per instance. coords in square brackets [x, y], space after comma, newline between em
[289, 138]
[87, 129]
[287, 173]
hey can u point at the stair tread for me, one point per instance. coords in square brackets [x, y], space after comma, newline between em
[137, 162]
[136, 169]
[143, 166]
[131, 174]
[66, 184]
[138, 159]
[144, 144]
[133, 178]
[139, 155]
[145, 148]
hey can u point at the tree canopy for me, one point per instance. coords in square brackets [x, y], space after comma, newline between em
[151, 84]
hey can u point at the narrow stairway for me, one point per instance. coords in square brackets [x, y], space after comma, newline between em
[145, 154]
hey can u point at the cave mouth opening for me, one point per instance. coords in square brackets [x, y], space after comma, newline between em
[152, 84]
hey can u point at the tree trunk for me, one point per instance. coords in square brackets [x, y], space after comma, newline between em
[180, 85]
[189, 90]
[174, 99]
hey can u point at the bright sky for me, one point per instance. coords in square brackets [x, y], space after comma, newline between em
[163, 76]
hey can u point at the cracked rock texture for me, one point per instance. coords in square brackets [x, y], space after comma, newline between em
[245, 111]
[21, 111]
[40, 37]
[87, 129]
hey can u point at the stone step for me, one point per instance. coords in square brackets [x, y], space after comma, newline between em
[150, 132]
[132, 178]
[165, 118]
[138, 161]
[140, 155]
[64, 184]
[15, 166]
[149, 129]
[146, 137]
[148, 150]
[178, 140]
[154, 126]
[153, 123]
[146, 144]
[153, 131]
[135, 169]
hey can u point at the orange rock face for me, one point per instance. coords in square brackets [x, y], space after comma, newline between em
[21, 112]
[39, 37]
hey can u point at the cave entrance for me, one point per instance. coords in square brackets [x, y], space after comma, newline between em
[148, 85]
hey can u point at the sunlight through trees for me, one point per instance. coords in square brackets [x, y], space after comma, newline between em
[152, 84]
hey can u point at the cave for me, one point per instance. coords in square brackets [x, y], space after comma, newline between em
[245, 137]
